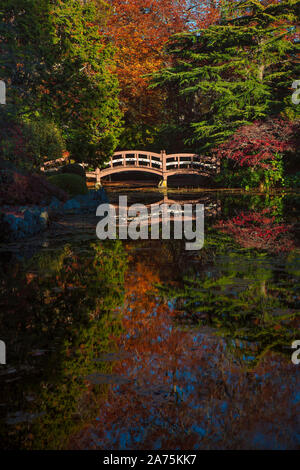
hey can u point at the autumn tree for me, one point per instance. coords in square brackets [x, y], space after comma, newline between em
[139, 29]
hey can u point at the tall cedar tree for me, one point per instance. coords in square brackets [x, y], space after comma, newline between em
[59, 66]
[232, 73]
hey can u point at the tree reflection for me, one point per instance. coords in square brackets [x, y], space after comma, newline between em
[185, 390]
[56, 318]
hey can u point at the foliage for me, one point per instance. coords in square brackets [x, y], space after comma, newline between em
[235, 177]
[293, 181]
[275, 174]
[13, 144]
[249, 178]
[56, 61]
[59, 321]
[258, 144]
[139, 29]
[258, 230]
[43, 140]
[20, 189]
[73, 168]
[26, 144]
[82, 91]
[25, 41]
[72, 183]
[231, 73]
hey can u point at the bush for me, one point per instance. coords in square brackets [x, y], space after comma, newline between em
[43, 140]
[28, 144]
[251, 178]
[293, 181]
[258, 144]
[73, 184]
[13, 144]
[74, 169]
[246, 178]
[17, 188]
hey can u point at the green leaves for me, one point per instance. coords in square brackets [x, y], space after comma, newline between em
[55, 61]
[232, 73]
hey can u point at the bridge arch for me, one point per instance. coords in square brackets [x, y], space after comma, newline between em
[160, 164]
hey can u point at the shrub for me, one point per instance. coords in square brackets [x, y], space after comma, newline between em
[258, 144]
[43, 140]
[73, 184]
[293, 181]
[74, 169]
[13, 143]
[28, 144]
[17, 188]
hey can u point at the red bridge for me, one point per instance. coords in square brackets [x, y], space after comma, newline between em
[161, 164]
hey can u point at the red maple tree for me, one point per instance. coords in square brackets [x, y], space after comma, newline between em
[257, 144]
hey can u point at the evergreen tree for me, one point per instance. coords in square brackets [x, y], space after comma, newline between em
[57, 65]
[234, 72]
[83, 89]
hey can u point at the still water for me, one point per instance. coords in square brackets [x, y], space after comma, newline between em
[144, 345]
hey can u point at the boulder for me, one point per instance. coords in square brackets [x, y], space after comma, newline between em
[55, 204]
[71, 205]
[30, 222]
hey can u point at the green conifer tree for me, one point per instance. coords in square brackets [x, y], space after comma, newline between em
[234, 72]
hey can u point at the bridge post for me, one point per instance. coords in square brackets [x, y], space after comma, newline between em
[98, 176]
[163, 183]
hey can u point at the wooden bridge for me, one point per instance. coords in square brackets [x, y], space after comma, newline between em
[160, 164]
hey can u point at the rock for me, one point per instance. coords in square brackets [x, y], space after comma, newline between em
[32, 215]
[103, 194]
[86, 202]
[55, 204]
[31, 222]
[19, 222]
[71, 205]
[14, 223]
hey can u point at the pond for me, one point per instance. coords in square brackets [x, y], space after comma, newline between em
[144, 345]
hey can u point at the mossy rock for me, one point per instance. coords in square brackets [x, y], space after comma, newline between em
[72, 184]
[74, 169]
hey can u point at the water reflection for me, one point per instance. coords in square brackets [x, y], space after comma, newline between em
[55, 317]
[145, 345]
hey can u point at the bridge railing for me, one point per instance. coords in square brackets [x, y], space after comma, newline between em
[162, 163]
[136, 158]
[185, 160]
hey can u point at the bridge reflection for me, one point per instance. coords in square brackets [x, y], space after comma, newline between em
[212, 206]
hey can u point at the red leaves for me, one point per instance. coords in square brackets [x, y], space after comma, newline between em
[257, 144]
[140, 29]
[256, 230]
[28, 189]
